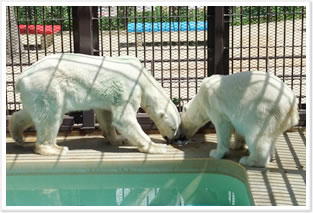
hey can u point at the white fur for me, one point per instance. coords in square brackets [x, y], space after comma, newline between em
[256, 105]
[114, 87]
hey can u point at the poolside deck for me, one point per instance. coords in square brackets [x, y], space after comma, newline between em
[283, 183]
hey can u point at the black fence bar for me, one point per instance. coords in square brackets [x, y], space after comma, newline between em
[284, 46]
[258, 61]
[301, 61]
[161, 39]
[241, 38]
[86, 41]
[187, 38]
[217, 28]
[249, 39]
[268, 16]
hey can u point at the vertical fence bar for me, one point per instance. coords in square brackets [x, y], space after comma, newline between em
[284, 47]
[110, 31]
[275, 53]
[179, 67]
[232, 38]
[62, 27]
[196, 48]
[36, 35]
[136, 35]
[293, 45]
[19, 41]
[153, 55]
[301, 59]
[27, 34]
[225, 58]
[205, 40]
[118, 31]
[144, 34]
[70, 27]
[101, 30]
[217, 61]
[241, 16]
[187, 51]
[126, 27]
[161, 25]
[170, 40]
[249, 38]
[86, 40]
[267, 25]
[258, 47]
[44, 44]
[52, 22]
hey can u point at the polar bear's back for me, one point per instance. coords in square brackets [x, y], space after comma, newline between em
[250, 97]
[78, 78]
[248, 86]
[69, 67]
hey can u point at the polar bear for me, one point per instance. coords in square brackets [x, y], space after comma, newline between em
[257, 106]
[115, 87]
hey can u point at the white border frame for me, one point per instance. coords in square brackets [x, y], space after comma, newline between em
[307, 3]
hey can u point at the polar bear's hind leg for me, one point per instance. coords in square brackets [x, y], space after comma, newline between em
[261, 150]
[18, 122]
[47, 126]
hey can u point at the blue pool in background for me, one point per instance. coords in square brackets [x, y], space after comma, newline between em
[167, 26]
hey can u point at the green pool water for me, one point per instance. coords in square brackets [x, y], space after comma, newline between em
[131, 187]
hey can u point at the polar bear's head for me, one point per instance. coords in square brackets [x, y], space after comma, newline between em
[192, 118]
[168, 122]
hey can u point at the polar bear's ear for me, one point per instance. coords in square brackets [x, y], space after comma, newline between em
[161, 114]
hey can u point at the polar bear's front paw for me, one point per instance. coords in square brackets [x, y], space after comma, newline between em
[215, 154]
[154, 148]
[50, 150]
[119, 140]
[247, 161]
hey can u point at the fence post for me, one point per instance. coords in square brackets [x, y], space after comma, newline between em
[86, 41]
[218, 41]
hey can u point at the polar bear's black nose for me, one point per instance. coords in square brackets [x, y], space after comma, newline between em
[167, 140]
[183, 138]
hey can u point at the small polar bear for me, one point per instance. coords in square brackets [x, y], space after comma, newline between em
[115, 87]
[257, 106]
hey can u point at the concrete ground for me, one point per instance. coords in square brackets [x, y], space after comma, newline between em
[283, 183]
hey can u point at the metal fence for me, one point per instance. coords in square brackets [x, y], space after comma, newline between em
[270, 39]
[27, 41]
[179, 45]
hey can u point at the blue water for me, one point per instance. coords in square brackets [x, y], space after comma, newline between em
[165, 189]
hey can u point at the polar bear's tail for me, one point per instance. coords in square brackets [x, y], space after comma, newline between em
[292, 117]
[18, 122]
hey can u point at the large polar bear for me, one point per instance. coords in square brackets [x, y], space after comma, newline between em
[115, 87]
[256, 105]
